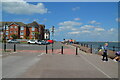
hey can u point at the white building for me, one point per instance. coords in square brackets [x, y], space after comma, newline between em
[46, 34]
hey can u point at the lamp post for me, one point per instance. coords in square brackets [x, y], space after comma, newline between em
[52, 37]
[46, 42]
[5, 37]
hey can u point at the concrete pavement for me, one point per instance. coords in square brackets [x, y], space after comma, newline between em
[40, 65]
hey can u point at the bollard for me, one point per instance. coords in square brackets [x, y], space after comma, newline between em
[4, 46]
[81, 44]
[87, 45]
[52, 47]
[91, 48]
[76, 51]
[46, 49]
[62, 50]
[113, 48]
[14, 47]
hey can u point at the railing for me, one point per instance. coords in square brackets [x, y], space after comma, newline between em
[113, 48]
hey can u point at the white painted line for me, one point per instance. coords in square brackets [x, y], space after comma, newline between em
[41, 54]
[96, 67]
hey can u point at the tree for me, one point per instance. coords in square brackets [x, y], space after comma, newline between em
[14, 36]
[36, 35]
[26, 37]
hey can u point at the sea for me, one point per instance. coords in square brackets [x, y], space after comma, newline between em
[96, 45]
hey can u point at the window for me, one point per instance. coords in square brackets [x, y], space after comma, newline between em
[22, 28]
[33, 29]
[10, 31]
[11, 26]
[21, 33]
[15, 31]
[6, 27]
[6, 37]
[15, 26]
[6, 33]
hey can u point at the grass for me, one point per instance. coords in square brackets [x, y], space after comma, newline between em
[7, 51]
[23, 42]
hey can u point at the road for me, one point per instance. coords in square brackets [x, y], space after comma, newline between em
[33, 46]
[68, 65]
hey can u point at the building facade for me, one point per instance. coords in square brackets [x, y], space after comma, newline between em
[23, 31]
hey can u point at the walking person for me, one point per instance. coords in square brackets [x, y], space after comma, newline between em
[105, 53]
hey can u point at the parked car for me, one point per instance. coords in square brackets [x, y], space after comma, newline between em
[43, 42]
[50, 41]
[13, 41]
[32, 41]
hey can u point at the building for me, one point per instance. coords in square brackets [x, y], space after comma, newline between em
[23, 31]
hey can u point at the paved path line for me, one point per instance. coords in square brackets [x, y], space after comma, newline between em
[41, 54]
[95, 67]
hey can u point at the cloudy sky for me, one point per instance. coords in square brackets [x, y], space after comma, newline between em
[83, 21]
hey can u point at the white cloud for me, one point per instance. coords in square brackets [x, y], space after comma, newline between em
[77, 19]
[24, 8]
[12, 0]
[117, 19]
[77, 32]
[94, 22]
[70, 23]
[75, 8]
[99, 29]
[68, 29]
[85, 31]
[87, 27]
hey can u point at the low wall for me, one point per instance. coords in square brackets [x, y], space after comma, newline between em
[111, 53]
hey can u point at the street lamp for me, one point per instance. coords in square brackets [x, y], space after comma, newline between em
[5, 37]
[52, 37]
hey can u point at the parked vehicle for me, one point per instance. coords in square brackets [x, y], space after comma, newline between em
[43, 42]
[32, 41]
[13, 41]
[50, 41]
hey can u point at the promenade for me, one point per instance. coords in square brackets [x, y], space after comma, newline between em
[38, 64]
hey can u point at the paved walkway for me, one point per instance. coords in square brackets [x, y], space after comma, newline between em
[70, 65]
[56, 65]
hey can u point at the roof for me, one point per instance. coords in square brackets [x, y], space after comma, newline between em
[33, 24]
[8, 23]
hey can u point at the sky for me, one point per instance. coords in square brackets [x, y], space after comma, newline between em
[82, 21]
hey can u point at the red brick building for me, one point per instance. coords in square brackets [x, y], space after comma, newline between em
[23, 31]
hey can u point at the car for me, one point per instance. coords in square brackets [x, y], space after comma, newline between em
[32, 41]
[42, 42]
[13, 41]
[50, 41]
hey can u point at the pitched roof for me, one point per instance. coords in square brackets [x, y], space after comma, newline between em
[33, 24]
[8, 23]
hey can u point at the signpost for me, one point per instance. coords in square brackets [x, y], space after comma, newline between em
[5, 37]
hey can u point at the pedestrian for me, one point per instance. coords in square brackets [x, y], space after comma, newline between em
[117, 57]
[105, 53]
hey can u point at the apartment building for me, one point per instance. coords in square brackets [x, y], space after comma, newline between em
[23, 31]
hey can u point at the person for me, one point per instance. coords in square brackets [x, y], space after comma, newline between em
[105, 54]
[71, 41]
[117, 57]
